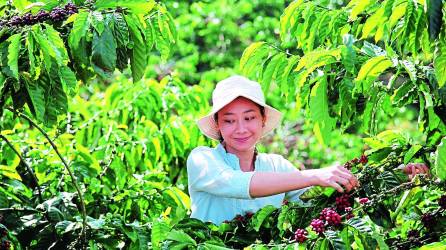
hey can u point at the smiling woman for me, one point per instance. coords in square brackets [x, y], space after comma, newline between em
[233, 178]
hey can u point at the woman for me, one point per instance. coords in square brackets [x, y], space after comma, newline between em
[233, 178]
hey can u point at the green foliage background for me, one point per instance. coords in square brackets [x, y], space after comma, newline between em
[117, 89]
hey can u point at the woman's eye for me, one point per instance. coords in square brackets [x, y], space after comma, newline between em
[250, 118]
[229, 121]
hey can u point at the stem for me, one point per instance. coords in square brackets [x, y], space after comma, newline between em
[73, 179]
[18, 210]
[26, 165]
[280, 50]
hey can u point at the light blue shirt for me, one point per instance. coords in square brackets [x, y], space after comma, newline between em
[219, 189]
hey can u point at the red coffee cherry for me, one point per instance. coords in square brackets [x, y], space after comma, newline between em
[300, 235]
[317, 225]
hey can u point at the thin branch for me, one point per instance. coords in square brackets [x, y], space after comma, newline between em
[10, 209]
[73, 179]
[26, 165]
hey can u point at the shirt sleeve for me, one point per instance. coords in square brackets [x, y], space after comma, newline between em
[209, 173]
[286, 166]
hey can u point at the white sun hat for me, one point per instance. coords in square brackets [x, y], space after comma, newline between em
[225, 92]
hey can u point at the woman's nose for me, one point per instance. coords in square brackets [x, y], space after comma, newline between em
[241, 126]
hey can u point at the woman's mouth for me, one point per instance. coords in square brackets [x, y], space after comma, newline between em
[241, 140]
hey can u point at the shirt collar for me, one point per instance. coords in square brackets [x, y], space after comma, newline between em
[233, 159]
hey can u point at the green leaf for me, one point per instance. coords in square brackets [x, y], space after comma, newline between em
[373, 68]
[13, 54]
[440, 160]
[34, 61]
[440, 64]
[335, 239]
[180, 236]
[270, 71]
[68, 79]
[162, 45]
[46, 49]
[20, 4]
[360, 225]
[36, 93]
[281, 223]
[409, 20]
[98, 21]
[434, 246]
[411, 152]
[397, 12]
[359, 7]
[249, 52]
[260, 216]
[135, 6]
[255, 62]
[404, 201]
[81, 24]
[372, 23]
[57, 44]
[283, 80]
[403, 93]
[323, 27]
[2, 83]
[435, 17]
[323, 123]
[410, 69]
[287, 19]
[348, 54]
[167, 27]
[372, 50]
[212, 246]
[120, 31]
[159, 233]
[346, 100]
[56, 102]
[138, 58]
[103, 56]
[315, 59]
[150, 34]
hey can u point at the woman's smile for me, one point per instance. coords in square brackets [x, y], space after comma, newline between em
[242, 140]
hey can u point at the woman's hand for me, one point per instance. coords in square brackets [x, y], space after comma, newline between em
[413, 169]
[337, 177]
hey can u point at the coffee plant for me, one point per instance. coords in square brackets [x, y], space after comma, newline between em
[99, 101]
[44, 55]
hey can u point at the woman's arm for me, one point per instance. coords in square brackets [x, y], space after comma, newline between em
[271, 183]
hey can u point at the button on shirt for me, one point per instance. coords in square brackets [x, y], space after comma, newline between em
[219, 189]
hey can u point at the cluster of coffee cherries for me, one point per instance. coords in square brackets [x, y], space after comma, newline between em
[442, 201]
[241, 218]
[4, 244]
[362, 160]
[56, 15]
[327, 217]
[343, 205]
[300, 235]
[428, 219]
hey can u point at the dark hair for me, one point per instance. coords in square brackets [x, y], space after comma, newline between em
[262, 112]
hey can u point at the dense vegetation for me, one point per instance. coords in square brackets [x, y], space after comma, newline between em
[99, 101]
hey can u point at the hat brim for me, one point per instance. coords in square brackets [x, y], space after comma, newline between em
[208, 125]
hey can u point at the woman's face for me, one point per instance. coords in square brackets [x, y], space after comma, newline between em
[240, 124]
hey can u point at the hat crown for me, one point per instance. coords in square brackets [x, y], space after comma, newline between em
[237, 86]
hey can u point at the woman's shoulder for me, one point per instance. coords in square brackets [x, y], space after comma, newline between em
[271, 157]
